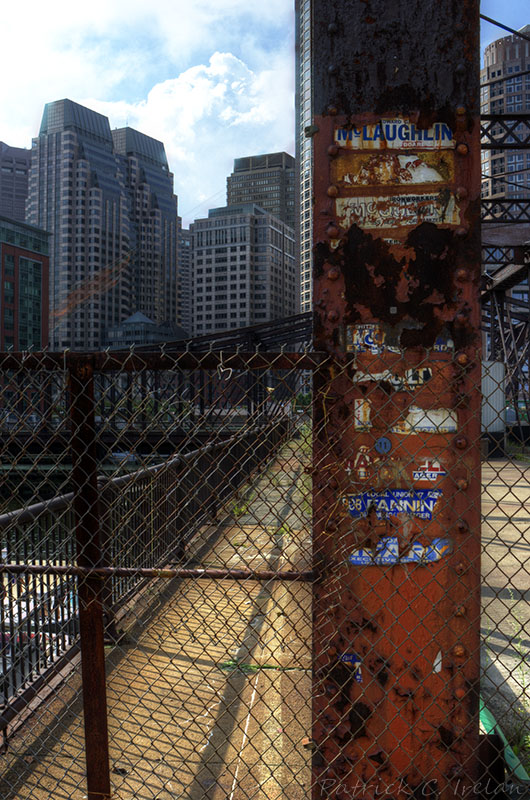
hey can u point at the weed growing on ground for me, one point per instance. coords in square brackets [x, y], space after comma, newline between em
[515, 722]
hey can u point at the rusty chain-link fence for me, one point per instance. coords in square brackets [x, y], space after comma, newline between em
[159, 571]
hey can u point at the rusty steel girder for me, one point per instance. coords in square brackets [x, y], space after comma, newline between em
[397, 415]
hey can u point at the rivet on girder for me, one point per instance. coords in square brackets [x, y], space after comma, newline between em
[460, 568]
[333, 27]
[459, 650]
[332, 111]
[333, 316]
[460, 611]
[462, 526]
[332, 69]
[461, 442]
[462, 359]
[462, 484]
[462, 149]
[461, 231]
[461, 193]
[462, 274]
[333, 274]
[460, 69]
[461, 110]
[333, 150]
[332, 191]
[332, 231]
[460, 693]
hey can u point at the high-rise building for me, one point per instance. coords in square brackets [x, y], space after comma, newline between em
[304, 152]
[153, 224]
[506, 173]
[108, 200]
[267, 180]
[184, 271]
[23, 286]
[14, 170]
[505, 89]
[243, 269]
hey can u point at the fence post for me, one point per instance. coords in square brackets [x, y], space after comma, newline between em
[396, 137]
[85, 503]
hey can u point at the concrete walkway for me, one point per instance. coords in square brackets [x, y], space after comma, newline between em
[209, 693]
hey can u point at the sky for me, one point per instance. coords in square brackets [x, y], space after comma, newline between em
[212, 79]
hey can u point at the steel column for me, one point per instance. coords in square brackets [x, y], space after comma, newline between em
[397, 414]
[90, 586]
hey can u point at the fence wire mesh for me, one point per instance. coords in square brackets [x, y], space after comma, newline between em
[157, 516]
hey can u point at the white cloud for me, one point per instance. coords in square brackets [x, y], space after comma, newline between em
[120, 57]
[209, 115]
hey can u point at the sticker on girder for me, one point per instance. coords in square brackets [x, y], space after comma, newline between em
[387, 553]
[391, 502]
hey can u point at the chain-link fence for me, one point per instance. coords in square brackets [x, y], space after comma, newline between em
[158, 604]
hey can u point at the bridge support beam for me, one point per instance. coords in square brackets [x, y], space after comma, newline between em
[397, 417]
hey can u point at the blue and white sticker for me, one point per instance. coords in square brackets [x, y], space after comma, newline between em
[443, 344]
[368, 337]
[387, 553]
[429, 471]
[383, 445]
[355, 661]
[391, 502]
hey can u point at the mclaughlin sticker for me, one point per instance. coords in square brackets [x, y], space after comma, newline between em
[399, 210]
[387, 552]
[395, 134]
[432, 420]
[391, 502]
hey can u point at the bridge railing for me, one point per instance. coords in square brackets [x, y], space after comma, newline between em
[99, 438]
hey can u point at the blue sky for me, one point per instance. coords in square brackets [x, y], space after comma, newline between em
[213, 79]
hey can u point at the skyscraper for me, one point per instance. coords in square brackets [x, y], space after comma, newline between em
[107, 198]
[243, 269]
[267, 180]
[304, 153]
[153, 224]
[14, 170]
[506, 173]
[184, 314]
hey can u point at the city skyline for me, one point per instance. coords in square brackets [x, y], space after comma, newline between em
[214, 83]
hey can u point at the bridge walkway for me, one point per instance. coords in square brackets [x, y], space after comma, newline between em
[208, 690]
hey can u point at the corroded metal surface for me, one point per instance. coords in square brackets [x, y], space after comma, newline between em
[396, 254]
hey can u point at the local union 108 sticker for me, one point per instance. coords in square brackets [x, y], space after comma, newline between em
[391, 502]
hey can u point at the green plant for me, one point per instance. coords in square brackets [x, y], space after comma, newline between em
[516, 721]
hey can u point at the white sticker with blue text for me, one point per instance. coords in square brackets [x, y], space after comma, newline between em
[387, 553]
[391, 502]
